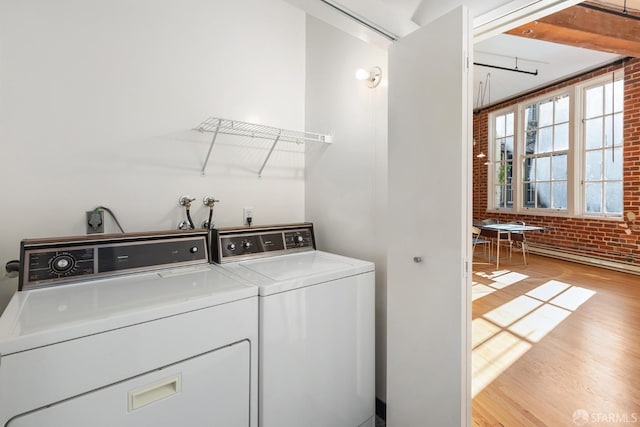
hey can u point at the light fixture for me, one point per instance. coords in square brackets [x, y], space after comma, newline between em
[373, 76]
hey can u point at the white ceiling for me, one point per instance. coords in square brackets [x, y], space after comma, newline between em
[552, 61]
[401, 17]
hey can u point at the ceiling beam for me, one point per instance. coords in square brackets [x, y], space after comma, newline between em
[587, 28]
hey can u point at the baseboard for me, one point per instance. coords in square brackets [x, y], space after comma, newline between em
[584, 259]
[381, 409]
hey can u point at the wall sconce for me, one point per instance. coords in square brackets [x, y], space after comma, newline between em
[373, 76]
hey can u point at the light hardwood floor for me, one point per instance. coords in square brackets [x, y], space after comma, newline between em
[554, 340]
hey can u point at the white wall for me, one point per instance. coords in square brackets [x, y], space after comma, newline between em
[98, 99]
[346, 183]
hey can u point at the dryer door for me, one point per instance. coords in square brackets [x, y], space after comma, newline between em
[210, 389]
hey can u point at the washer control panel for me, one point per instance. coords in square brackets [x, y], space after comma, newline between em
[49, 262]
[240, 243]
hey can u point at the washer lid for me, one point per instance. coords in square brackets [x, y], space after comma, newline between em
[287, 272]
[46, 316]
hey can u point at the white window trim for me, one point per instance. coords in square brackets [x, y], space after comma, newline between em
[521, 108]
[575, 154]
[491, 157]
[580, 143]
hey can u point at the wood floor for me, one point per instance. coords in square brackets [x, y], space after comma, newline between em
[555, 343]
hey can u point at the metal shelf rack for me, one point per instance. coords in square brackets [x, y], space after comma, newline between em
[219, 126]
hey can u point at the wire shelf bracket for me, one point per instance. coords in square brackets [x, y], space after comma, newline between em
[219, 126]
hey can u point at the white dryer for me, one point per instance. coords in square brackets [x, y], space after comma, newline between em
[317, 317]
[88, 342]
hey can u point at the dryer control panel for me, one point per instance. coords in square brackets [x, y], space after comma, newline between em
[56, 261]
[240, 243]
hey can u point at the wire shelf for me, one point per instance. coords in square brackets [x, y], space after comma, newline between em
[218, 126]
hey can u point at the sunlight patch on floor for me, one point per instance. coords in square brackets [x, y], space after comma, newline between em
[573, 298]
[481, 331]
[503, 335]
[536, 325]
[493, 357]
[497, 280]
[548, 290]
[478, 290]
[511, 311]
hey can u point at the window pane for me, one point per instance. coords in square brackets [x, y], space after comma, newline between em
[501, 174]
[546, 113]
[559, 195]
[593, 197]
[500, 120]
[561, 137]
[618, 129]
[613, 197]
[562, 109]
[545, 140]
[608, 131]
[559, 167]
[593, 165]
[613, 164]
[618, 94]
[529, 195]
[543, 170]
[594, 102]
[530, 142]
[508, 145]
[509, 124]
[509, 173]
[498, 147]
[531, 117]
[498, 196]
[543, 196]
[608, 98]
[529, 169]
[593, 130]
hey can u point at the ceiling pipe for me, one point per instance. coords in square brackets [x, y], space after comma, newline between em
[515, 70]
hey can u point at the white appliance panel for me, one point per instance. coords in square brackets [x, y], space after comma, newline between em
[293, 271]
[293, 267]
[45, 316]
[211, 389]
[317, 347]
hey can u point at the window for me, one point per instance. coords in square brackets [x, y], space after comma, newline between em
[603, 148]
[503, 159]
[560, 153]
[546, 147]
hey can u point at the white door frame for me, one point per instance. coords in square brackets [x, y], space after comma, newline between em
[508, 16]
[498, 21]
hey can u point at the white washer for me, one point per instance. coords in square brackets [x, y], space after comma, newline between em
[174, 346]
[317, 317]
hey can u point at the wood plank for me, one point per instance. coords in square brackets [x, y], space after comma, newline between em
[587, 359]
[586, 28]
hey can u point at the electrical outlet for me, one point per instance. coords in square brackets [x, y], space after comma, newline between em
[95, 222]
[246, 214]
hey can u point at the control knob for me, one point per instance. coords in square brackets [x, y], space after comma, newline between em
[62, 263]
[246, 245]
[193, 249]
[231, 246]
[298, 239]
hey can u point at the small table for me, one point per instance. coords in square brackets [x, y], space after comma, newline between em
[507, 229]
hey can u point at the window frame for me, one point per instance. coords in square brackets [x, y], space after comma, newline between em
[491, 187]
[581, 89]
[576, 153]
[522, 106]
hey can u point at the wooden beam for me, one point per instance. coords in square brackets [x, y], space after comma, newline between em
[587, 28]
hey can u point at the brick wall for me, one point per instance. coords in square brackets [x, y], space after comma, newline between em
[605, 239]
